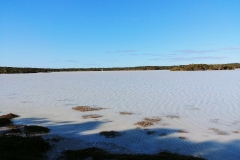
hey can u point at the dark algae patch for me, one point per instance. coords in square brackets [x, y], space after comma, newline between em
[97, 154]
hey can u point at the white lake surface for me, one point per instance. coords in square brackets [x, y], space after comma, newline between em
[206, 102]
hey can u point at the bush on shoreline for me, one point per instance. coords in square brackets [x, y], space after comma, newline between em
[203, 67]
[21, 145]
[230, 66]
[97, 153]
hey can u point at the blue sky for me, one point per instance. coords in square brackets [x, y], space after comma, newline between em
[118, 33]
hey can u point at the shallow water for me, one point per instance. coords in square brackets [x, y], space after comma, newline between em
[207, 104]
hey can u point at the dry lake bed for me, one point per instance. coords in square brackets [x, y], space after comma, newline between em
[195, 113]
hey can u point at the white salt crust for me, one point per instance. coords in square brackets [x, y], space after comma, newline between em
[205, 104]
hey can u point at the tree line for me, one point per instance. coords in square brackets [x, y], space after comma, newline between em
[204, 67]
[190, 67]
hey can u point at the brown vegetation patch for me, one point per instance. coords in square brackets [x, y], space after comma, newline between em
[154, 120]
[173, 116]
[9, 116]
[5, 120]
[164, 124]
[219, 132]
[91, 116]
[182, 131]
[87, 108]
[148, 121]
[235, 131]
[144, 123]
[110, 134]
[126, 113]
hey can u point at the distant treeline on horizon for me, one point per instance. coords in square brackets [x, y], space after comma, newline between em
[190, 67]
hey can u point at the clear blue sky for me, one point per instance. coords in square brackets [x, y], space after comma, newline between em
[118, 33]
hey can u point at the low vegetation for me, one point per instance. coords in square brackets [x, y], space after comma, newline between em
[33, 129]
[125, 113]
[148, 121]
[219, 132]
[173, 116]
[204, 67]
[182, 131]
[150, 132]
[91, 116]
[15, 142]
[144, 123]
[10, 70]
[86, 108]
[9, 116]
[5, 120]
[97, 153]
[154, 120]
[22, 148]
[110, 134]
[20, 142]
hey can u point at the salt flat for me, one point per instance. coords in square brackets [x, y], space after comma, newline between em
[204, 104]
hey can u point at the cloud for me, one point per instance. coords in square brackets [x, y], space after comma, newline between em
[231, 48]
[71, 61]
[192, 51]
[155, 59]
[110, 60]
[150, 54]
[134, 54]
[91, 64]
[189, 51]
[172, 54]
[197, 58]
[66, 61]
[126, 51]
[208, 44]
